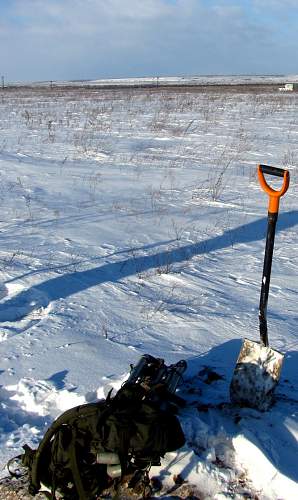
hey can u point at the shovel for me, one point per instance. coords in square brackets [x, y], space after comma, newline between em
[259, 366]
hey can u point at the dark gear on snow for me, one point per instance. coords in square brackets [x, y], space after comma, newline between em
[91, 447]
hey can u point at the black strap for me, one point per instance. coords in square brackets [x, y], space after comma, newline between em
[14, 474]
[75, 469]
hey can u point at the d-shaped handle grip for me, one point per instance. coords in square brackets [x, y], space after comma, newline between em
[274, 195]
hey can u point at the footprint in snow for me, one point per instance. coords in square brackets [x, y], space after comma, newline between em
[25, 308]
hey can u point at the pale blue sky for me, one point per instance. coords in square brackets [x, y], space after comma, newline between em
[87, 39]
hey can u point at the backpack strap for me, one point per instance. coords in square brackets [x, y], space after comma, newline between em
[75, 469]
[10, 462]
[67, 418]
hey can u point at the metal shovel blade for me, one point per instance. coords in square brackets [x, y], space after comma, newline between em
[255, 376]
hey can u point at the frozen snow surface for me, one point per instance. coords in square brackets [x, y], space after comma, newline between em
[132, 222]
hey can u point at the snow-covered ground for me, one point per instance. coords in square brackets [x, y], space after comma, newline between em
[132, 222]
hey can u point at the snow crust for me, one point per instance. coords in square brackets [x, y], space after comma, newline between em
[132, 222]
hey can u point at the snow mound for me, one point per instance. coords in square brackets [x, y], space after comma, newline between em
[42, 398]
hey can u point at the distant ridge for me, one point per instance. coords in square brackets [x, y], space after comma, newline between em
[172, 81]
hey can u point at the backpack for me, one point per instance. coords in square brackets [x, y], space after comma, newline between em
[93, 446]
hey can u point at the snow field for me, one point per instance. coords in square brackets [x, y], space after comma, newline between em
[132, 222]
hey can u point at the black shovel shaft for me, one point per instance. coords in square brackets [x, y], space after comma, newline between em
[272, 219]
[273, 207]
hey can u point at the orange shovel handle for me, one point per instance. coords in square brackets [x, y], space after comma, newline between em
[274, 195]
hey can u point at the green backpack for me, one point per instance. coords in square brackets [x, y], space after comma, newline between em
[91, 447]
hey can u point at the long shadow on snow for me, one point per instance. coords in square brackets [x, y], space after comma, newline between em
[266, 430]
[64, 286]
[86, 260]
